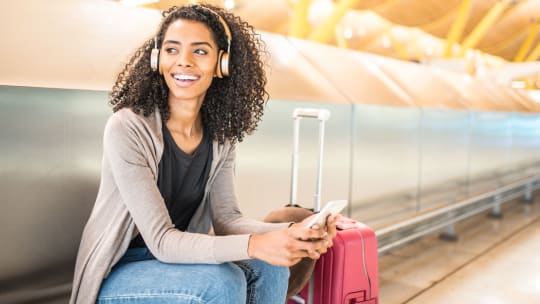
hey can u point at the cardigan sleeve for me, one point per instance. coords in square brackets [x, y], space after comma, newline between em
[227, 217]
[130, 149]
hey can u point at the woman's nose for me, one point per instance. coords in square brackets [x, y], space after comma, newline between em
[184, 59]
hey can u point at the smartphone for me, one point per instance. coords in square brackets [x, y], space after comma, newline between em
[332, 207]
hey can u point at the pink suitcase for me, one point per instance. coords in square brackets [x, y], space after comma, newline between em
[348, 272]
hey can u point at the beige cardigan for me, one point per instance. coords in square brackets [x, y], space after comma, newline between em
[129, 202]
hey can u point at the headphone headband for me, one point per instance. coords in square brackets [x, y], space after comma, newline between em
[223, 23]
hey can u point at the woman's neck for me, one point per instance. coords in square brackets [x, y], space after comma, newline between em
[185, 118]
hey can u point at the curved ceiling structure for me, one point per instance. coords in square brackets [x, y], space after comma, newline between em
[501, 28]
[298, 69]
[488, 44]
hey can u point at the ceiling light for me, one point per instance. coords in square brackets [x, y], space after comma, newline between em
[319, 10]
[386, 42]
[535, 95]
[518, 84]
[229, 4]
[348, 33]
[401, 33]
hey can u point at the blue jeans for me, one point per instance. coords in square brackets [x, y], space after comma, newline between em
[139, 278]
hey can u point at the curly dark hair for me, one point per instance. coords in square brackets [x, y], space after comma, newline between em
[233, 106]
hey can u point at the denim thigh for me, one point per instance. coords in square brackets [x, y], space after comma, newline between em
[139, 278]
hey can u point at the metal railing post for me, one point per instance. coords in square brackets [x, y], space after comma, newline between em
[496, 212]
[528, 197]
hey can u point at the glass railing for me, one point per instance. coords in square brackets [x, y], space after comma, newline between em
[404, 160]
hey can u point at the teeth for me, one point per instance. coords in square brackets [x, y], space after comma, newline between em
[185, 77]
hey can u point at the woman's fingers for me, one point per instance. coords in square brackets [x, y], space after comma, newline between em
[319, 245]
[281, 248]
[299, 231]
[331, 229]
[287, 247]
[331, 225]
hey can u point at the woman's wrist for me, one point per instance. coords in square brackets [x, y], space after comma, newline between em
[251, 246]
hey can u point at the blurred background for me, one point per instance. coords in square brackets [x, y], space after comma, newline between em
[434, 124]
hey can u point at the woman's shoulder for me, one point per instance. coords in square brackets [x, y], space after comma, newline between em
[126, 117]
[125, 121]
[224, 150]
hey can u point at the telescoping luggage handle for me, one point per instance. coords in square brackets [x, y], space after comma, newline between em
[322, 115]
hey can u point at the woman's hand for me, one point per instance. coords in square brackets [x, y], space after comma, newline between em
[288, 246]
[330, 228]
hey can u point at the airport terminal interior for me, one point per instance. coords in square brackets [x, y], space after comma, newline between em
[433, 135]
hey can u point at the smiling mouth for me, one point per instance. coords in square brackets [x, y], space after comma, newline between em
[185, 78]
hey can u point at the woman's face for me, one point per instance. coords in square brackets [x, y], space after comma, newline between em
[188, 59]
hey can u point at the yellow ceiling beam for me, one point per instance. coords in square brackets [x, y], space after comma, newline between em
[482, 27]
[527, 44]
[299, 21]
[341, 39]
[454, 35]
[398, 47]
[326, 30]
[535, 53]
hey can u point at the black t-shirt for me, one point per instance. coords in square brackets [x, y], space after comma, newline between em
[181, 180]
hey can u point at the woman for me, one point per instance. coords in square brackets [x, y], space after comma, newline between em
[183, 101]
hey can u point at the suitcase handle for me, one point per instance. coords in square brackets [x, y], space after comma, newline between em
[322, 115]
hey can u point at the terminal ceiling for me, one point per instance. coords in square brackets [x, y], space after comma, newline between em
[419, 30]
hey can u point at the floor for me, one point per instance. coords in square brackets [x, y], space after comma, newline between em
[493, 261]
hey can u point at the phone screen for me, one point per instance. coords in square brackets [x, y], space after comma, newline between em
[332, 207]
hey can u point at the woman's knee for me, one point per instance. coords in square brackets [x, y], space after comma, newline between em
[278, 274]
[265, 283]
[271, 273]
[228, 286]
[265, 274]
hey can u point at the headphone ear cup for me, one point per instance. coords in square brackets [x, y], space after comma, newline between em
[154, 59]
[219, 66]
[224, 64]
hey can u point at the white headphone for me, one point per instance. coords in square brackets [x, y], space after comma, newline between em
[222, 68]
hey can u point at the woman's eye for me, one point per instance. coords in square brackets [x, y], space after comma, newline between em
[170, 50]
[200, 52]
